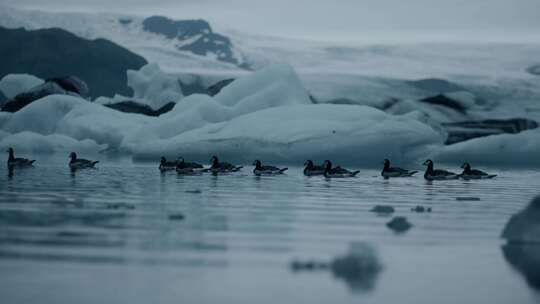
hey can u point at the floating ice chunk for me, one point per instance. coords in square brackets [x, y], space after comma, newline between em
[355, 134]
[152, 86]
[14, 84]
[524, 227]
[30, 142]
[504, 149]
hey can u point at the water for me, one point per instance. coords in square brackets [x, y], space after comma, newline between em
[115, 235]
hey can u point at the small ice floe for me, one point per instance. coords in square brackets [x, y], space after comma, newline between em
[522, 249]
[382, 209]
[117, 206]
[176, 217]
[399, 224]
[421, 209]
[467, 198]
[359, 268]
[196, 191]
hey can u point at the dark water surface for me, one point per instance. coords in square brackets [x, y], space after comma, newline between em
[125, 233]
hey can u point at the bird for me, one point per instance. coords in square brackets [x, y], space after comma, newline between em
[337, 171]
[180, 162]
[395, 171]
[165, 165]
[432, 174]
[81, 163]
[222, 167]
[189, 168]
[266, 170]
[469, 173]
[311, 169]
[18, 162]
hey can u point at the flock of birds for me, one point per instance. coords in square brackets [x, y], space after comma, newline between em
[310, 169]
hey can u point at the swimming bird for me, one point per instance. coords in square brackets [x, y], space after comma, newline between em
[395, 171]
[311, 169]
[432, 174]
[337, 171]
[189, 168]
[81, 163]
[165, 165]
[222, 167]
[469, 173]
[266, 170]
[18, 162]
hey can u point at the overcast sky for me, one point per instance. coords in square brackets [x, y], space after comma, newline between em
[335, 20]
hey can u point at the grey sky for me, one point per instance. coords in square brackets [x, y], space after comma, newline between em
[338, 19]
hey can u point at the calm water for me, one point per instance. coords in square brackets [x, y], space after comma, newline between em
[114, 235]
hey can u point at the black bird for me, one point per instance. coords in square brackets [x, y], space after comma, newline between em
[165, 165]
[311, 169]
[395, 171]
[432, 174]
[189, 168]
[222, 167]
[337, 171]
[266, 170]
[18, 162]
[469, 173]
[81, 163]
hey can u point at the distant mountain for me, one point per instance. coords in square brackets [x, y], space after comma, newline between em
[49, 53]
[195, 36]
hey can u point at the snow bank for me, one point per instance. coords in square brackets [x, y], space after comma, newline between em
[13, 84]
[154, 87]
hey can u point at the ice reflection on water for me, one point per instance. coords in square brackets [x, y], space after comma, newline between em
[232, 238]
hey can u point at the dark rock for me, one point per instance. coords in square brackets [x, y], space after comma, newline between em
[382, 209]
[399, 224]
[206, 41]
[47, 53]
[534, 70]
[436, 85]
[214, 89]
[125, 21]
[467, 198]
[359, 268]
[71, 84]
[3, 99]
[421, 209]
[442, 100]
[38, 92]
[176, 217]
[138, 108]
[465, 130]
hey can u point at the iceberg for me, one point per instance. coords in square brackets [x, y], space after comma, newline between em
[14, 84]
[267, 115]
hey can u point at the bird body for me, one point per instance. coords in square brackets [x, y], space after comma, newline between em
[337, 172]
[222, 167]
[312, 170]
[18, 161]
[266, 170]
[469, 173]
[432, 174]
[395, 171]
[81, 163]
